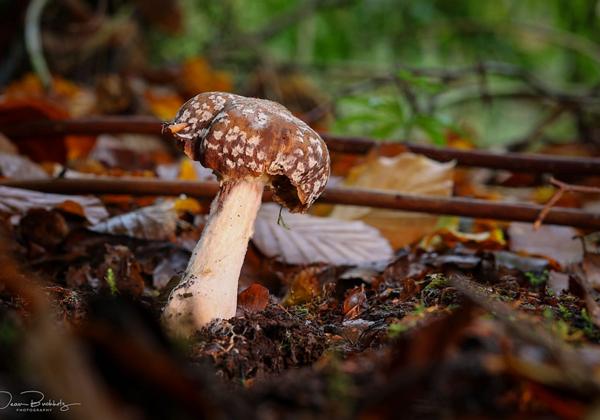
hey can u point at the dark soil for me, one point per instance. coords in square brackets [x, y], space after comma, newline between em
[398, 339]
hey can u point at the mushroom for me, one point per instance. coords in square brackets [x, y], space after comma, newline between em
[249, 143]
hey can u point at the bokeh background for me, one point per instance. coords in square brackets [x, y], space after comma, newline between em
[521, 74]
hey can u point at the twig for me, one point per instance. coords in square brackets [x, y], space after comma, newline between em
[562, 188]
[33, 41]
[353, 145]
[465, 207]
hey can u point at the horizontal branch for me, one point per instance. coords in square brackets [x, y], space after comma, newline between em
[465, 207]
[356, 145]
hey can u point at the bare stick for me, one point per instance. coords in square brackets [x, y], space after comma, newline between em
[562, 188]
[353, 145]
[466, 207]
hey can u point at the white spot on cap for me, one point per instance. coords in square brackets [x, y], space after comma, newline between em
[237, 150]
[260, 121]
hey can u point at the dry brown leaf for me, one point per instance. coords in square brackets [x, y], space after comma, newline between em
[309, 239]
[254, 299]
[163, 104]
[22, 111]
[407, 173]
[355, 302]
[18, 201]
[20, 167]
[304, 286]
[73, 98]
[6, 146]
[156, 222]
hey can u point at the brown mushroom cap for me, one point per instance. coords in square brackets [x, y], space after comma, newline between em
[239, 137]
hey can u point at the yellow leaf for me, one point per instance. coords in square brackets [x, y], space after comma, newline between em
[163, 105]
[406, 173]
[187, 171]
[197, 76]
[188, 204]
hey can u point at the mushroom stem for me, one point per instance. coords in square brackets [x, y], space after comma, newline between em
[208, 289]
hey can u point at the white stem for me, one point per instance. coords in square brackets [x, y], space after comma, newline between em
[208, 289]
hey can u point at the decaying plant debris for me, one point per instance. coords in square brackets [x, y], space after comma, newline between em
[452, 274]
[449, 331]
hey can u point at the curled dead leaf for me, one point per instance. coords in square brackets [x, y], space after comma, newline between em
[406, 173]
[254, 299]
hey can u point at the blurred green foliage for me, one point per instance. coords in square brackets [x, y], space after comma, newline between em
[339, 43]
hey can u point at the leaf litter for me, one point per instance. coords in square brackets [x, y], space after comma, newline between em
[370, 315]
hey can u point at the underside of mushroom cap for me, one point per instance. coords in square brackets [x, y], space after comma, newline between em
[241, 137]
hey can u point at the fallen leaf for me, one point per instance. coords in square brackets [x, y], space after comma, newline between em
[558, 282]
[188, 205]
[197, 75]
[15, 112]
[6, 146]
[156, 222]
[129, 151]
[163, 104]
[73, 98]
[309, 239]
[355, 302]
[450, 238]
[18, 201]
[407, 173]
[556, 242]
[20, 167]
[47, 228]
[304, 286]
[254, 299]
[186, 169]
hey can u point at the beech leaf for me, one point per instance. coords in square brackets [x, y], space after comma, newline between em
[312, 239]
[407, 173]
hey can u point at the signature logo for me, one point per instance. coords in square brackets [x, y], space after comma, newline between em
[32, 401]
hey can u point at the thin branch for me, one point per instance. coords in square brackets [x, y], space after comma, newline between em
[563, 187]
[465, 207]
[354, 145]
[33, 41]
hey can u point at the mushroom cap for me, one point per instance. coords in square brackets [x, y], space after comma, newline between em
[239, 137]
